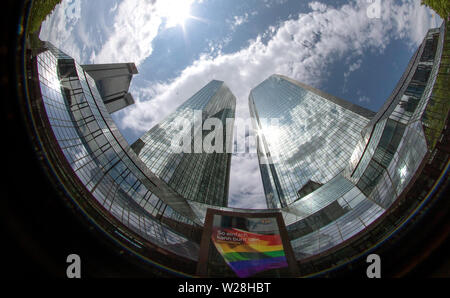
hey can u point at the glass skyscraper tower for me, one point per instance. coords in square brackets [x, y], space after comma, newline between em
[196, 175]
[345, 186]
[312, 141]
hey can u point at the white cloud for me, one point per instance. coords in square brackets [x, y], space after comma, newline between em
[270, 3]
[318, 6]
[354, 66]
[364, 99]
[59, 26]
[135, 27]
[238, 20]
[246, 189]
[299, 48]
[114, 8]
[136, 23]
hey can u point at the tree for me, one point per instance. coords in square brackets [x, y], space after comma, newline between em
[40, 9]
[441, 7]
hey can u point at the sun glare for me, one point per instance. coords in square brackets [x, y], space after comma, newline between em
[176, 12]
[271, 132]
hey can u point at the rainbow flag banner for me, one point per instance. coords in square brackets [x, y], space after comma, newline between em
[249, 253]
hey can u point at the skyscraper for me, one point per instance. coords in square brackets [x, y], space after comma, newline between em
[196, 175]
[392, 186]
[113, 81]
[95, 162]
[312, 142]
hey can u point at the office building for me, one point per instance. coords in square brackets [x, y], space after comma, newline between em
[342, 182]
[113, 81]
[312, 141]
[197, 175]
[397, 166]
[97, 166]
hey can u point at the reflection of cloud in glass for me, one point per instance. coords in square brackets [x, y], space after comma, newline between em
[315, 136]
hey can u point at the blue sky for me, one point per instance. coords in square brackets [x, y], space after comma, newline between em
[330, 45]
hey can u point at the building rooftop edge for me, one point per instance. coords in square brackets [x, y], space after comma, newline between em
[342, 102]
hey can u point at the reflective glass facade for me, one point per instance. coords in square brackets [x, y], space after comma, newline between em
[199, 175]
[112, 82]
[336, 171]
[314, 138]
[389, 153]
[100, 157]
[382, 165]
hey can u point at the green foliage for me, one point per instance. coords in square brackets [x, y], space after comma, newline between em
[441, 7]
[438, 108]
[40, 9]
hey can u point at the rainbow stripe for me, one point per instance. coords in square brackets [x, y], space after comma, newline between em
[249, 253]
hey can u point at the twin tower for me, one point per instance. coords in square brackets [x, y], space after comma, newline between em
[312, 142]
